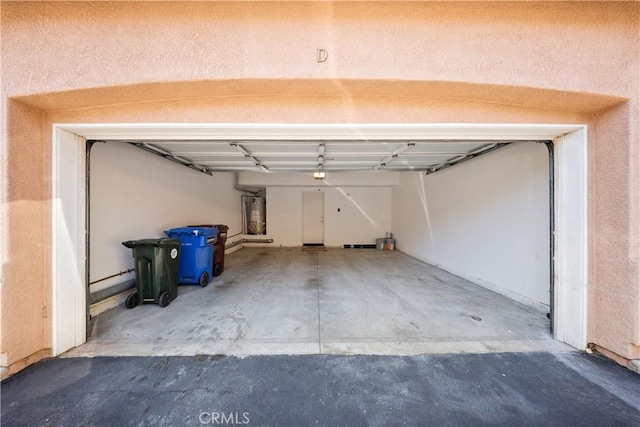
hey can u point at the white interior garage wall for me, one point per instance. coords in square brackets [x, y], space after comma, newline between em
[485, 220]
[136, 195]
[365, 214]
[364, 200]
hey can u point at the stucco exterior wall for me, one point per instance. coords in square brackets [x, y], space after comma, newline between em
[256, 62]
[26, 273]
[613, 284]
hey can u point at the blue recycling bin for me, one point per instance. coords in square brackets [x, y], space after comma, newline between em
[195, 264]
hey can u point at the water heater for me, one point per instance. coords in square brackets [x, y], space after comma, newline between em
[254, 212]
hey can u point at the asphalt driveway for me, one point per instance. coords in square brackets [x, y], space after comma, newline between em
[431, 390]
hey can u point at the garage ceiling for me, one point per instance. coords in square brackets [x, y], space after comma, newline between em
[274, 147]
[309, 155]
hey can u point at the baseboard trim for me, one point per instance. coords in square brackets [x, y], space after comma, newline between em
[109, 303]
[526, 301]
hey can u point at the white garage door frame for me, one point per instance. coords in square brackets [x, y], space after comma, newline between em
[68, 208]
[69, 196]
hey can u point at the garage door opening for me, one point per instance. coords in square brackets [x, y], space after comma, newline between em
[403, 140]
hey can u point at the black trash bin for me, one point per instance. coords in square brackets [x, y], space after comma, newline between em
[156, 266]
[218, 246]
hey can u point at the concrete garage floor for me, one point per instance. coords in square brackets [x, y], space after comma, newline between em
[342, 301]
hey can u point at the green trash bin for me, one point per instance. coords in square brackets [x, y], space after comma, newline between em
[156, 266]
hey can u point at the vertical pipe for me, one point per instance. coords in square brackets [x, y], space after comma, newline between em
[244, 214]
[552, 235]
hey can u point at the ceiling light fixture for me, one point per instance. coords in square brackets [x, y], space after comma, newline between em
[319, 175]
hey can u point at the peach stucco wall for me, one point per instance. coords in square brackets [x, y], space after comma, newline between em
[256, 62]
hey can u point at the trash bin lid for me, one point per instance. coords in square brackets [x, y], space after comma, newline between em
[221, 227]
[192, 231]
[164, 241]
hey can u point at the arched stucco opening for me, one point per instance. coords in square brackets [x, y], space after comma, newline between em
[341, 90]
[67, 170]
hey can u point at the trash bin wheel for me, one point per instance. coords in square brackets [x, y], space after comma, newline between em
[204, 279]
[131, 301]
[164, 299]
[217, 270]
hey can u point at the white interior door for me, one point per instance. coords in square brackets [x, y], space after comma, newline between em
[313, 217]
